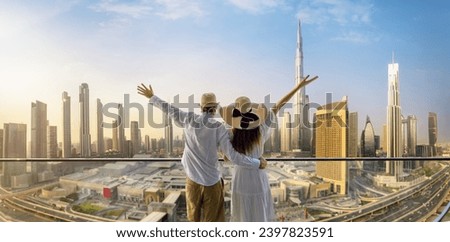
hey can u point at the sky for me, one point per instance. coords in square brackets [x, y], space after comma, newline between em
[231, 48]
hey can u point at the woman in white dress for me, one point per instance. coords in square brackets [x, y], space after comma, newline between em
[251, 198]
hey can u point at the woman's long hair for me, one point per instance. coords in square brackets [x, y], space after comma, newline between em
[245, 139]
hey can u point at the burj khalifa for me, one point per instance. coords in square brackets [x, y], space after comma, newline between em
[302, 132]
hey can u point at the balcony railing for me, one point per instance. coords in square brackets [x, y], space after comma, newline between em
[296, 160]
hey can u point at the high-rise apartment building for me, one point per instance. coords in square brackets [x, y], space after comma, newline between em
[168, 134]
[147, 144]
[352, 144]
[108, 144]
[383, 137]
[52, 142]
[38, 144]
[39, 130]
[394, 123]
[14, 140]
[409, 141]
[432, 132]
[275, 138]
[66, 125]
[1, 143]
[409, 135]
[115, 137]
[100, 137]
[285, 133]
[121, 131]
[134, 135]
[85, 135]
[14, 146]
[331, 135]
[412, 135]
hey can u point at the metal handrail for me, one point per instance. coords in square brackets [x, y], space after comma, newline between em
[93, 159]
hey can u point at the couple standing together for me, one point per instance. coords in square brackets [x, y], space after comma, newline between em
[251, 198]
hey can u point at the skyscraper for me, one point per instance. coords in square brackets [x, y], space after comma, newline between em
[409, 141]
[412, 135]
[147, 144]
[368, 140]
[368, 146]
[384, 138]
[285, 133]
[14, 146]
[409, 135]
[14, 140]
[301, 135]
[134, 135]
[394, 123]
[352, 147]
[39, 144]
[38, 130]
[275, 138]
[115, 139]
[168, 134]
[432, 132]
[121, 131]
[100, 137]
[1, 143]
[331, 135]
[52, 142]
[108, 144]
[85, 135]
[67, 131]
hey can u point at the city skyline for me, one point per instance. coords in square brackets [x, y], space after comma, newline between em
[115, 46]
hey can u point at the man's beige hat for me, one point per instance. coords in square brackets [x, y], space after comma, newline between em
[208, 100]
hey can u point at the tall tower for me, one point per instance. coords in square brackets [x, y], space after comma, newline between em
[285, 133]
[352, 144]
[14, 146]
[394, 122]
[67, 131]
[409, 141]
[134, 136]
[38, 130]
[52, 142]
[409, 135]
[14, 140]
[168, 134]
[38, 136]
[1, 143]
[275, 138]
[121, 131]
[147, 144]
[302, 133]
[368, 140]
[331, 141]
[368, 146]
[115, 139]
[100, 137]
[85, 135]
[432, 132]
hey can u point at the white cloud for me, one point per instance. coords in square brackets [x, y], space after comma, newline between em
[134, 10]
[257, 6]
[342, 12]
[167, 9]
[350, 17]
[353, 37]
[176, 9]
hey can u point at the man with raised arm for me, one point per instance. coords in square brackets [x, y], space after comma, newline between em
[204, 136]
